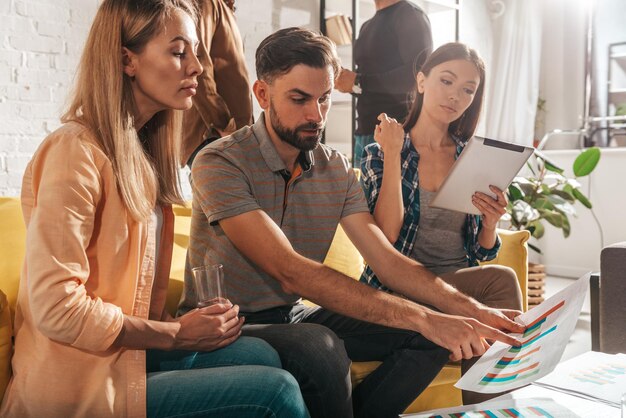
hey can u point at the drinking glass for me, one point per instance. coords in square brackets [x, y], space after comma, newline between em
[209, 283]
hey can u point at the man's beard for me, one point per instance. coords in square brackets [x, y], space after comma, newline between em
[293, 136]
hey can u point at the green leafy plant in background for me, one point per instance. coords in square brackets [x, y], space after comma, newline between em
[548, 195]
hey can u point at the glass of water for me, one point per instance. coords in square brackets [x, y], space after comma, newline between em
[209, 284]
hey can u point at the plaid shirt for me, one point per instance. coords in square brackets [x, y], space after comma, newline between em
[372, 168]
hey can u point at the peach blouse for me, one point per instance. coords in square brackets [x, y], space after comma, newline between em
[87, 264]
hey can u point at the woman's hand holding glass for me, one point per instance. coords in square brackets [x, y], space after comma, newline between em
[209, 328]
[389, 134]
[492, 209]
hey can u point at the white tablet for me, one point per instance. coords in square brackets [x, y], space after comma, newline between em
[483, 162]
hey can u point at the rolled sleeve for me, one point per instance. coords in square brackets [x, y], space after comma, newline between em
[476, 251]
[484, 254]
[61, 226]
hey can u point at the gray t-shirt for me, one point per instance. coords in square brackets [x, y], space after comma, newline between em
[439, 240]
[243, 172]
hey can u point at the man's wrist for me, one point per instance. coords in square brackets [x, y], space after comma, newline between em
[463, 305]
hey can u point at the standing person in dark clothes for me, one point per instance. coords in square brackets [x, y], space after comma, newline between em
[223, 102]
[391, 46]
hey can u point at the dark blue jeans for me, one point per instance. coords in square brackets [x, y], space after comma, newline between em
[242, 380]
[317, 346]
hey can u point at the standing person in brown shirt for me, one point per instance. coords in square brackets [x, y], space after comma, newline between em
[223, 101]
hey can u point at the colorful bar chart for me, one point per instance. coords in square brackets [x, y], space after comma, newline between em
[516, 360]
[518, 364]
[600, 375]
[593, 375]
[526, 412]
[547, 329]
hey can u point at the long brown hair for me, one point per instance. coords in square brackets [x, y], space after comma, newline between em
[465, 126]
[145, 164]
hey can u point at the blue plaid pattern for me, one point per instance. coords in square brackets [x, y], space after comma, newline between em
[372, 169]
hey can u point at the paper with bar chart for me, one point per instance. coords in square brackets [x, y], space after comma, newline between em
[597, 376]
[548, 328]
[523, 408]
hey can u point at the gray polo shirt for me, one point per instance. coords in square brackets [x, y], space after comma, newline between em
[243, 172]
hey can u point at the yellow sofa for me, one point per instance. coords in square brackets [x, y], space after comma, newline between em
[342, 256]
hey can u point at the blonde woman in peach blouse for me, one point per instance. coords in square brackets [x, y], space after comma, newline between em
[92, 335]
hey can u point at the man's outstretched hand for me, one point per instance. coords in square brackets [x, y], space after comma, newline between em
[467, 337]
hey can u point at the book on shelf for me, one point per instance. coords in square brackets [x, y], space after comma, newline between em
[339, 29]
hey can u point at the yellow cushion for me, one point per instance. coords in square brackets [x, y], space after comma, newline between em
[441, 392]
[12, 248]
[514, 254]
[182, 227]
[343, 256]
[6, 342]
[359, 371]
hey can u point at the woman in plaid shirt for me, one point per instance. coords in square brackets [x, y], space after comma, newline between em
[408, 163]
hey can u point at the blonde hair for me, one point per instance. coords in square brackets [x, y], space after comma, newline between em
[145, 164]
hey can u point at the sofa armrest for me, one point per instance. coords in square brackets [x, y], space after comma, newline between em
[594, 299]
[514, 254]
[611, 298]
[182, 227]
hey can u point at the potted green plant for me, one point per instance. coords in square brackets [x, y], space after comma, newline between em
[548, 195]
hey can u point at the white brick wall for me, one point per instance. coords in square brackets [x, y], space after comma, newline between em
[40, 45]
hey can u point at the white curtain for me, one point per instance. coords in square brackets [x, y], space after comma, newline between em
[513, 85]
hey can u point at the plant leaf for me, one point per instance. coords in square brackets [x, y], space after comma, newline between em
[515, 192]
[556, 177]
[530, 167]
[526, 187]
[554, 218]
[549, 165]
[574, 183]
[561, 204]
[537, 229]
[586, 162]
[566, 227]
[564, 194]
[542, 203]
[522, 213]
[581, 198]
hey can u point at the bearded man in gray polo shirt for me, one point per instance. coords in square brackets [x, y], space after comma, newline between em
[267, 202]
